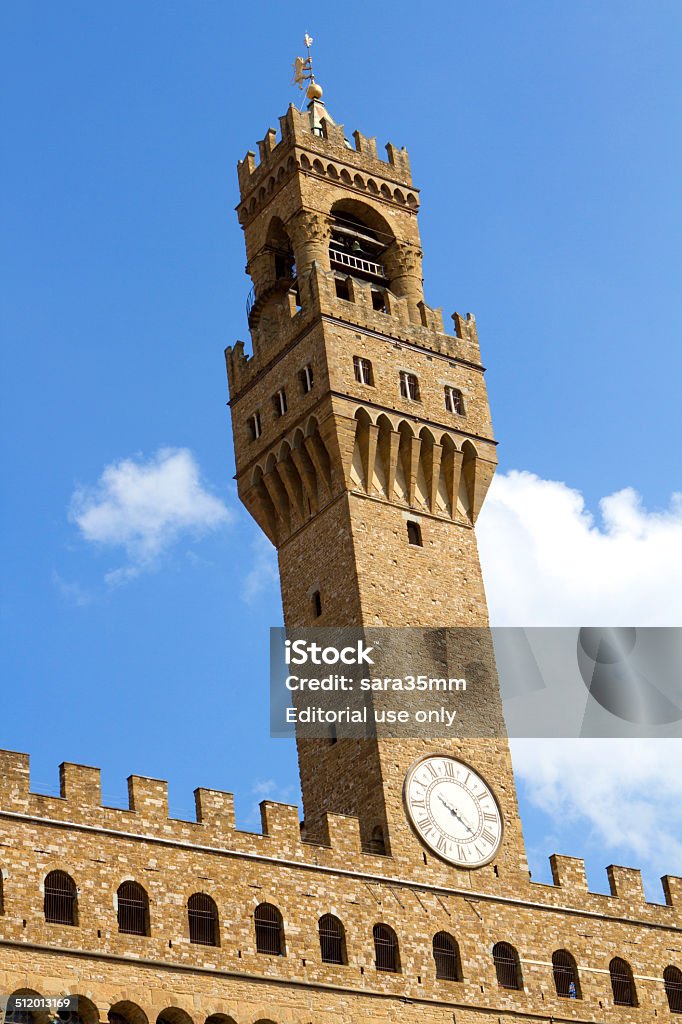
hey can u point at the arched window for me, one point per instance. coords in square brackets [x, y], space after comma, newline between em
[269, 930]
[672, 981]
[622, 983]
[446, 956]
[60, 898]
[507, 966]
[377, 843]
[359, 238]
[133, 909]
[203, 920]
[565, 975]
[332, 940]
[386, 949]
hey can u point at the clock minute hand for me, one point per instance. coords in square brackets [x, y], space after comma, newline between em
[455, 813]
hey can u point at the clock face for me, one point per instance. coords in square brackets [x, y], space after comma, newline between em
[453, 811]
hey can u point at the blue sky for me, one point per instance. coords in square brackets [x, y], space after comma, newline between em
[545, 139]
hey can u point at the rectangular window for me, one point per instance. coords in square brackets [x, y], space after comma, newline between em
[307, 379]
[362, 369]
[414, 533]
[255, 428]
[409, 386]
[342, 289]
[280, 402]
[379, 301]
[454, 401]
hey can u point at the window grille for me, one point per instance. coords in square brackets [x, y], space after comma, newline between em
[672, 981]
[60, 898]
[269, 931]
[203, 920]
[133, 909]
[622, 983]
[363, 370]
[454, 401]
[385, 948]
[331, 940]
[255, 426]
[307, 379]
[446, 956]
[414, 533]
[409, 386]
[565, 975]
[280, 402]
[507, 968]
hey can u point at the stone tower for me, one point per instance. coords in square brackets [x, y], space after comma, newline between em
[364, 446]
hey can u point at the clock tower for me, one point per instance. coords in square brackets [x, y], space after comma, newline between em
[364, 450]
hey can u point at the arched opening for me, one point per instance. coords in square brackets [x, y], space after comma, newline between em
[359, 238]
[174, 1015]
[377, 841]
[126, 1012]
[87, 1013]
[60, 901]
[507, 966]
[565, 972]
[446, 957]
[132, 909]
[332, 940]
[279, 246]
[672, 981]
[622, 983]
[203, 920]
[269, 930]
[386, 952]
[18, 1015]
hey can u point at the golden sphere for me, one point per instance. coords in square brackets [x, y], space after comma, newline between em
[314, 91]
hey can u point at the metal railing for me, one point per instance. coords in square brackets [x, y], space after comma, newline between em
[346, 259]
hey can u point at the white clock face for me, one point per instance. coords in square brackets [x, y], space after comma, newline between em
[453, 811]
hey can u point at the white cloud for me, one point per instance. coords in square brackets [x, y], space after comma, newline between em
[548, 561]
[144, 507]
[263, 573]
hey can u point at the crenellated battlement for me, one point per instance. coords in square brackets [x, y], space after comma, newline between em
[313, 131]
[281, 840]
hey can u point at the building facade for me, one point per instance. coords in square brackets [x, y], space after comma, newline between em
[364, 450]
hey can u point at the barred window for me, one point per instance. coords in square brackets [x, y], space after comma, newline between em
[332, 940]
[203, 920]
[565, 972]
[269, 929]
[363, 371]
[454, 400]
[507, 966]
[622, 983]
[672, 981]
[446, 956]
[133, 909]
[409, 386]
[60, 898]
[386, 949]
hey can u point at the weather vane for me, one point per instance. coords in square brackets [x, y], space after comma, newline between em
[303, 71]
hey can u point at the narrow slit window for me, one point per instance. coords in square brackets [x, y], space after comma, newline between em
[414, 534]
[307, 379]
[409, 386]
[454, 401]
[255, 426]
[362, 369]
[279, 401]
[316, 601]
